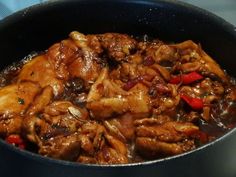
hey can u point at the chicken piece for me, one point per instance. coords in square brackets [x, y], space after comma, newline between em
[94, 43]
[106, 98]
[63, 137]
[138, 99]
[201, 61]
[159, 120]
[39, 70]
[86, 69]
[107, 155]
[57, 108]
[92, 128]
[38, 130]
[111, 156]
[112, 128]
[115, 152]
[128, 72]
[30, 128]
[58, 118]
[65, 107]
[15, 99]
[189, 44]
[136, 102]
[116, 144]
[86, 159]
[151, 148]
[66, 115]
[165, 97]
[168, 132]
[41, 101]
[51, 68]
[61, 147]
[122, 127]
[211, 66]
[74, 58]
[86, 144]
[96, 90]
[69, 58]
[125, 125]
[92, 133]
[190, 67]
[89, 65]
[107, 107]
[10, 126]
[87, 140]
[169, 138]
[207, 86]
[162, 70]
[92, 137]
[161, 53]
[118, 46]
[135, 58]
[62, 54]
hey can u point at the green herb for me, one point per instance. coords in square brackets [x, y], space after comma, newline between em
[21, 101]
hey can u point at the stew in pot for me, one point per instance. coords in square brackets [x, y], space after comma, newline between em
[112, 98]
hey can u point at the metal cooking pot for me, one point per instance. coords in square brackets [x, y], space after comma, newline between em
[38, 27]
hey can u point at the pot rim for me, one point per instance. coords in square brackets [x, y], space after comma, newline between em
[214, 18]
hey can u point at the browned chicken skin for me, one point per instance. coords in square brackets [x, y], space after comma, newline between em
[112, 98]
[169, 138]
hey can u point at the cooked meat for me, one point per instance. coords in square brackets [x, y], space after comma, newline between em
[168, 132]
[106, 98]
[152, 148]
[10, 126]
[40, 71]
[41, 101]
[14, 101]
[57, 118]
[15, 98]
[61, 147]
[112, 98]
[110, 156]
[169, 138]
[89, 65]
[118, 46]
[191, 52]
[122, 127]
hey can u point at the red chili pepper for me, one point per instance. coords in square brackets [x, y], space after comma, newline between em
[186, 78]
[16, 140]
[195, 103]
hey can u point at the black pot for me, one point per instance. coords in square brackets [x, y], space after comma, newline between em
[38, 27]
